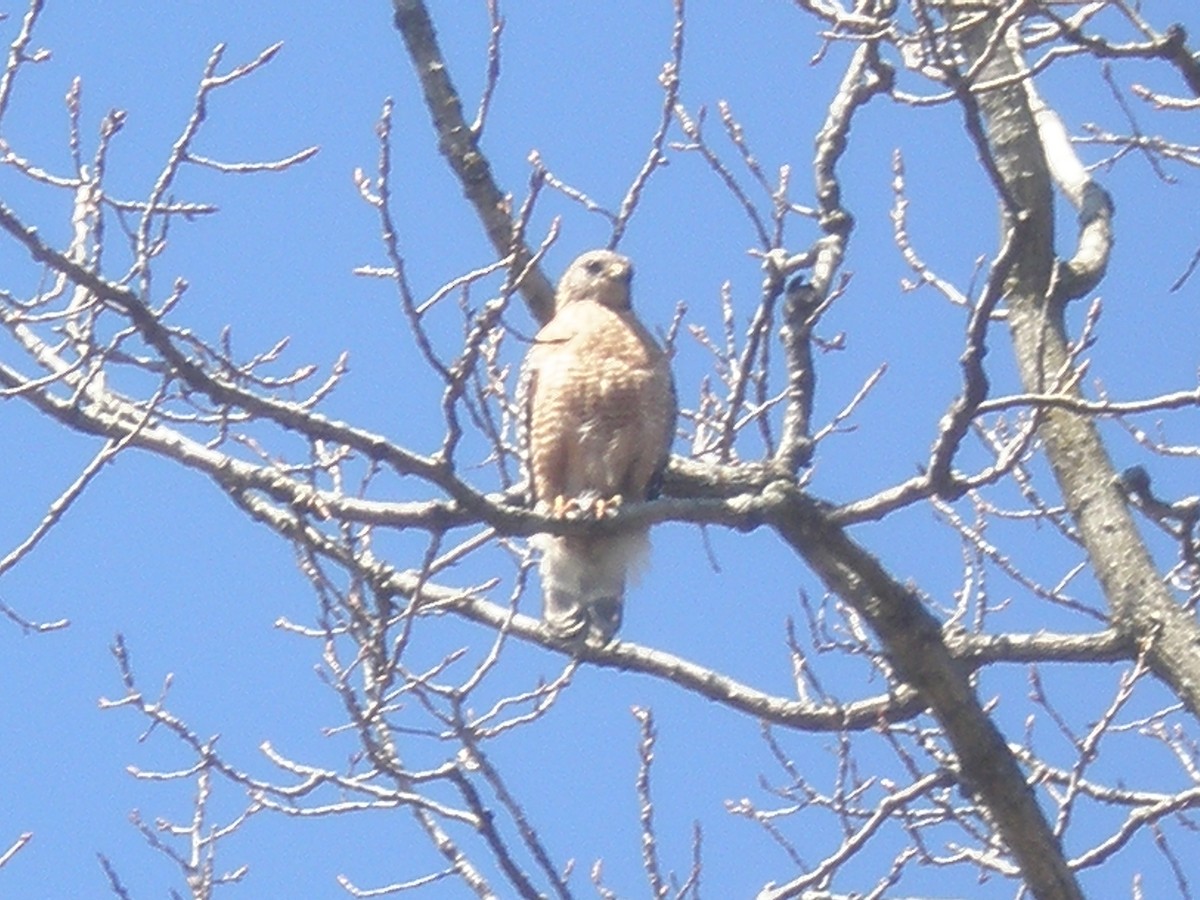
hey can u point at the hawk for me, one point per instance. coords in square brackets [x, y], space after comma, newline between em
[600, 419]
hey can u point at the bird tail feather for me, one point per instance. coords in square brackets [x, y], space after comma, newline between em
[584, 580]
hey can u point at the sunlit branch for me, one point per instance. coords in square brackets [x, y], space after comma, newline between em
[460, 145]
[15, 848]
[669, 78]
[957, 420]
[17, 55]
[492, 75]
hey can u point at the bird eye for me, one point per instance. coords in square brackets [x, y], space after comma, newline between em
[594, 266]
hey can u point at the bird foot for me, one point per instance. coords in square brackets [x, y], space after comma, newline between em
[585, 506]
[607, 507]
[564, 507]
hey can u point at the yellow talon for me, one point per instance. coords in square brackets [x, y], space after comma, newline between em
[606, 508]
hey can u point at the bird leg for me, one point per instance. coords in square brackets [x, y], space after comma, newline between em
[592, 505]
[607, 507]
[587, 505]
[565, 507]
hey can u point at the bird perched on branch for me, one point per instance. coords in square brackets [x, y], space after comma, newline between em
[600, 417]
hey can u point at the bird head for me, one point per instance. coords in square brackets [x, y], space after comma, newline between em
[599, 275]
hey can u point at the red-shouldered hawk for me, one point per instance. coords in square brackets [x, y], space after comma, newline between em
[601, 417]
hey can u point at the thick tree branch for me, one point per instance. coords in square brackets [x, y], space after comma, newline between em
[459, 143]
[1140, 603]
[914, 644]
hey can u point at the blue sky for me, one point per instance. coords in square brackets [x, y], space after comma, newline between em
[160, 556]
